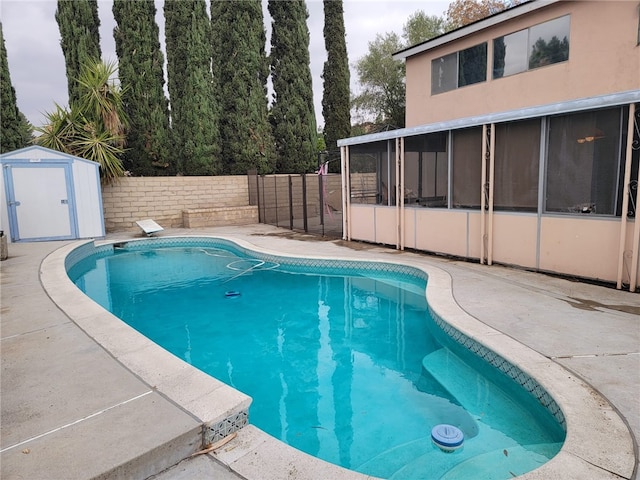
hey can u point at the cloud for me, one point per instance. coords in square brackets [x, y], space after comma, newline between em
[36, 62]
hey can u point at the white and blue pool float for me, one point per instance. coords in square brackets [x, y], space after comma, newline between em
[447, 437]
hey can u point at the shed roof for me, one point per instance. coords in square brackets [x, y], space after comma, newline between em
[41, 153]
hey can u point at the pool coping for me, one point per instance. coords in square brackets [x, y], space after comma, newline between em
[598, 442]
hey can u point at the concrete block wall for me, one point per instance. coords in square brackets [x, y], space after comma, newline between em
[165, 198]
[220, 216]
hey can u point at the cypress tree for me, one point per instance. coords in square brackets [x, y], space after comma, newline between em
[16, 131]
[335, 99]
[79, 26]
[240, 71]
[292, 114]
[140, 66]
[194, 116]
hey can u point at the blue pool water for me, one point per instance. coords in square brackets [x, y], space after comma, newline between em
[348, 367]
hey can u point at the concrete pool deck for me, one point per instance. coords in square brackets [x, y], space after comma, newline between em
[76, 408]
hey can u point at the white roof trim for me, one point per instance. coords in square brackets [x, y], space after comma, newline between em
[589, 103]
[514, 12]
[44, 154]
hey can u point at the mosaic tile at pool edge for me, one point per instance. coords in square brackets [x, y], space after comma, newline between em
[229, 425]
[80, 253]
[327, 266]
[506, 367]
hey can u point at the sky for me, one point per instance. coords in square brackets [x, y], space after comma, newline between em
[36, 61]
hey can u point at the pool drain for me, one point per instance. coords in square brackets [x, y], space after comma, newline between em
[447, 437]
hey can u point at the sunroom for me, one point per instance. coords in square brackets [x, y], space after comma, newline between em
[550, 188]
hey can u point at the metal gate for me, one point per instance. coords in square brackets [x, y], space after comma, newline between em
[311, 203]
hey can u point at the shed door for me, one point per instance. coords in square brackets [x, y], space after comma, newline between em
[40, 201]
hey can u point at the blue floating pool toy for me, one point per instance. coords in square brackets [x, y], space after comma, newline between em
[232, 294]
[447, 437]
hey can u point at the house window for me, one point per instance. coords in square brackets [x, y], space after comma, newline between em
[517, 160]
[444, 73]
[510, 54]
[583, 163]
[472, 65]
[459, 69]
[467, 167]
[426, 170]
[543, 44]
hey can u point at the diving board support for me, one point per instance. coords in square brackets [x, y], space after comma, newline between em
[149, 226]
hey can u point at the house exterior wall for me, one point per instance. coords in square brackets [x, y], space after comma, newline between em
[602, 60]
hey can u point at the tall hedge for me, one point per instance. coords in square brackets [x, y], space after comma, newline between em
[240, 70]
[15, 131]
[335, 98]
[194, 115]
[140, 63]
[79, 26]
[292, 113]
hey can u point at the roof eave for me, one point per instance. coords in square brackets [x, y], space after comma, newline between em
[474, 27]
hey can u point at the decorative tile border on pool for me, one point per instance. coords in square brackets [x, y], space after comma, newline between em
[84, 251]
[222, 429]
[509, 369]
[291, 264]
[328, 266]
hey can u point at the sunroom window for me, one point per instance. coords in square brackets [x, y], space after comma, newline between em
[372, 167]
[517, 160]
[467, 167]
[583, 163]
[426, 170]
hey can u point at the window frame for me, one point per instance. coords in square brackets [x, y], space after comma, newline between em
[456, 77]
[530, 43]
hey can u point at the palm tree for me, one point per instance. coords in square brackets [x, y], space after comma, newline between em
[94, 128]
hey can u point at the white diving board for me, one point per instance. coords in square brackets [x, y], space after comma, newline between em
[149, 226]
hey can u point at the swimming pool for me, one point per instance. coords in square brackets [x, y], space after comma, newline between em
[424, 366]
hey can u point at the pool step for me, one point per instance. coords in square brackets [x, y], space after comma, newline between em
[464, 399]
[469, 387]
[497, 464]
[387, 463]
[422, 459]
[444, 406]
[464, 383]
[480, 397]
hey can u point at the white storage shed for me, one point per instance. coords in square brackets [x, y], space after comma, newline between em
[49, 195]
